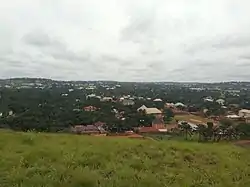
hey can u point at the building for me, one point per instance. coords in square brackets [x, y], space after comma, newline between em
[88, 129]
[208, 99]
[155, 128]
[158, 123]
[89, 108]
[157, 100]
[149, 110]
[179, 105]
[244, 113]
[142, 108]
[107, 99]
[220, 101]
[128, 102]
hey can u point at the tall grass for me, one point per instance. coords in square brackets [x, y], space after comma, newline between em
[60, 160]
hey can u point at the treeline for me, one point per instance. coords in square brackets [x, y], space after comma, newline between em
[225, 130]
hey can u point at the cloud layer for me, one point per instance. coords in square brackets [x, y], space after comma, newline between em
[126, 40]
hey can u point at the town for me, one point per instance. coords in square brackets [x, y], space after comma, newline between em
[214, 111]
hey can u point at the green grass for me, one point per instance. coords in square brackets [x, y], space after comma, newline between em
[60, 160]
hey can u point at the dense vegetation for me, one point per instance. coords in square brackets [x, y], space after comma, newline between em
[53, 160]
[47, 110]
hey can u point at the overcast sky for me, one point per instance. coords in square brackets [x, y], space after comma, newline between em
[126, 40]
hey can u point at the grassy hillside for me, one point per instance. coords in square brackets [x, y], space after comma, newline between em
[55, 160]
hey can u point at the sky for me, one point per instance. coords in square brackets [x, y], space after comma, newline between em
[126, 40]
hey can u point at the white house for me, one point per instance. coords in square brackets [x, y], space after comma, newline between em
[157, 100]
[143, 107]
[107, 99]
[208, 99]
[179, 104]
[149, 110]
[220, 101]
[128, 102]
[244, 113]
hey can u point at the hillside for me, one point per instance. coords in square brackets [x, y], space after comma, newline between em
[58, 160]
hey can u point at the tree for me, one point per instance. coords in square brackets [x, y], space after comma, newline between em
[186, 128]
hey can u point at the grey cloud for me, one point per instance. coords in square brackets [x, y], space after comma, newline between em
[146, 40]
[218, 42]
[53, 47]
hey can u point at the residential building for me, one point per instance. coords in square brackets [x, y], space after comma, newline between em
[179, 104]
[142, 108]
[149, 110]
[155, 111]
[128, 102]
[88, 129]
[220, 101]
[155, 128]
[157, 100]
[208, 99]
[244, 113]
[107, 99]
[89, 108]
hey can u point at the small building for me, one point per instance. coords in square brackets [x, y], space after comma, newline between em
[244, 113]
[179, 104]
[233, 116]
[142, 108]
[157, 100]
[155, 128]
[89, 108]
[88, 129]
[220, 101]
[149, 110]
[128, 102]
[107, 99]
[10, 113]
[169, 105]
[153, 111]
[208, 99]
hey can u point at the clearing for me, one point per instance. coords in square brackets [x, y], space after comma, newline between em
[192, 119]
[61, 160]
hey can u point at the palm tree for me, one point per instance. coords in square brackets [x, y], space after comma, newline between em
[186, 128]
[201, 129]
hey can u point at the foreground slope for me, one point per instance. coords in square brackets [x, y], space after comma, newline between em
[56, 160]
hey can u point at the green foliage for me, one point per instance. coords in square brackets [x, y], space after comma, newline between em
[52, 160]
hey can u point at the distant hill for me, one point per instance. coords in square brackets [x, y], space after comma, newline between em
[57, 160]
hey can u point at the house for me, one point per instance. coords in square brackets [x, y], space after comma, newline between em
[158, 123]
[233, 116]
[90, 108]
[169, 105]
[208, 99]
[244, 113]
[11, 113]
[128, 102]
[107, 99]
[155, 128]
[220, 101]
[88, 129]
[179, 104]
[149, 110]
[142, 108]
[157, 100]
[64, 94]
[152, 111]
